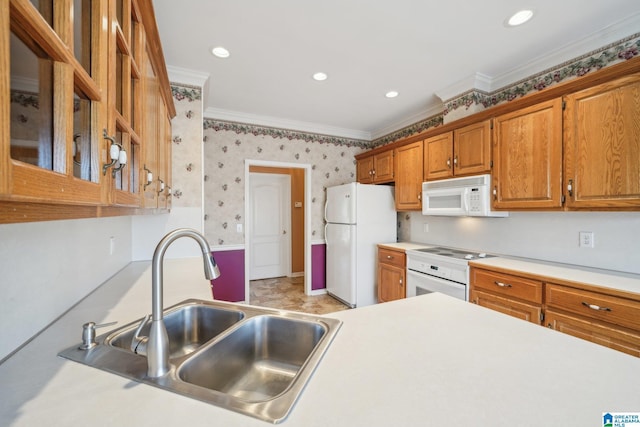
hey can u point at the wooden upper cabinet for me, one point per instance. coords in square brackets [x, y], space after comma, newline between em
[527, 154]
[408, 183]
[464, 151]
[602, 146]
[383, 167]
[365, 170]
[52, 103]
[74, 107]
[438, 156]
[376, 169]
[472, 149]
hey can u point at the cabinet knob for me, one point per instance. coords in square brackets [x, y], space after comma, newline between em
[495, 192]
[455, 160]
[389, 257]
[570, 187]
[449, 163]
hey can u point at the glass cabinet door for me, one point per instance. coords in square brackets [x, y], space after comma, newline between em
[55, 101]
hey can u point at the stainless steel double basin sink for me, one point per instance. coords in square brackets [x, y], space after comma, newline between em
[251, 360]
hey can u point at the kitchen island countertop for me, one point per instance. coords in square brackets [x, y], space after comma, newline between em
[428, 360]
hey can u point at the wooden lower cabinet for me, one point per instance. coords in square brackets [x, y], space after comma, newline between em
[600, 317]
[391, 275]
[604, 316]
[521, 310]
[627, 341]
[507, 293]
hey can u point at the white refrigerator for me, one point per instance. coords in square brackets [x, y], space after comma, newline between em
[358, 217]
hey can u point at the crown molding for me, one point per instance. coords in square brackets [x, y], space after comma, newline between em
[187, 76]
[274, 122]
[478, 81]
[407, 121]
[552, 59]
[556, 58]
[25, 84]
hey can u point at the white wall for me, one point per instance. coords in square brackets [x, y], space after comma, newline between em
[46, 267]
[549, 236]
[148, 230]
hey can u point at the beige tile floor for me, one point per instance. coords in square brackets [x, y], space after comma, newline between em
[287, 293]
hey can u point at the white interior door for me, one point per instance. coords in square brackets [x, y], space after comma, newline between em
[270, 225]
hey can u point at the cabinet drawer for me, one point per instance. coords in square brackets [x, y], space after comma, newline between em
[617, 339]
[521, 310]
[616, 310]
[391, 257]
[507, 285]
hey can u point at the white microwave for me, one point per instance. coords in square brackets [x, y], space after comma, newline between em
[468, 196]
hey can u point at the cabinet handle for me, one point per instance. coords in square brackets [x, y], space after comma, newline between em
[400, 282]
[495, 192]
[455, 160]
[389, 257]
[373, 172]
[114, 152]
[449, 163]
[596, 307]
[149, 177]
[502, 285]
[419, 196]
[570, 187]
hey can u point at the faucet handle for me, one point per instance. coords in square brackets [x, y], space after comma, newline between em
[89, 334]
[138, 342]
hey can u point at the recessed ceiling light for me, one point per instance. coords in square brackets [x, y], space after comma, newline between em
[220, 52]
[320, 76]
[391, 94]
[519, 18]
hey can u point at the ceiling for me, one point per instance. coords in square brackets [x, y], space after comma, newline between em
[422, 49]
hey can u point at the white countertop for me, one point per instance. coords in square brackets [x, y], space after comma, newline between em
[428, 360]
[405, 245]
[590, 276]
[627, 282]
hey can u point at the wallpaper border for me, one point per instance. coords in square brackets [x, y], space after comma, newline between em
[277, 133]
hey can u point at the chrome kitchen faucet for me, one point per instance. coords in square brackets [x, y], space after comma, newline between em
[156, 346]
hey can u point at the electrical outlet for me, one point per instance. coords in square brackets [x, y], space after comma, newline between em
[587, 239]
[239, 228]
[425, 227]
[112, 245]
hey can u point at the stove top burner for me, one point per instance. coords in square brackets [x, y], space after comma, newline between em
[454, 253]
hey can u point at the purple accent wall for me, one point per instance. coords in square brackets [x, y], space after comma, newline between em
[230, 285]
[318, 266]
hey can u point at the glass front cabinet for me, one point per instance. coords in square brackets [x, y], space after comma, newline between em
[76, 94]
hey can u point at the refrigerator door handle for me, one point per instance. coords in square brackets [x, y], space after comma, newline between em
[326, 237]
[325, 211]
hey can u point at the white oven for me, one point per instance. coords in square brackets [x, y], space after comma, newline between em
[439, 269]
[420, 284]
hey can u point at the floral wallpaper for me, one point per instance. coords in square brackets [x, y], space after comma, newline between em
[227, 145]
[186, 134]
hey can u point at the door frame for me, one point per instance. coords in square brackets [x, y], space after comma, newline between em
[307, 219]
